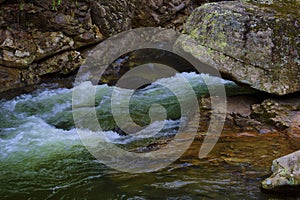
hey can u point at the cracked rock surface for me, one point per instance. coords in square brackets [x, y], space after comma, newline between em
[252, 43]
[286, 174]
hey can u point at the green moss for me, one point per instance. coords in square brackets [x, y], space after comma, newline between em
[194, 33]
[55, 3]
[70, 58]
[49, 70]
[284, 7]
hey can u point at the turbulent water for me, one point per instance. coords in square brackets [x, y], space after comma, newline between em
[42, 157]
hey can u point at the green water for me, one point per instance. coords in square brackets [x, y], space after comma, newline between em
[42, 157]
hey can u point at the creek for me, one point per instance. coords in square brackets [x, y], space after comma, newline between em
[42, 156]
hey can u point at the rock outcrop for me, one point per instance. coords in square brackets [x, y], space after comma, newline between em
[255, 44]
[252, 43]
[283, 114]
[36, 40]
[286, 174]
[168, 14]
[39, 38]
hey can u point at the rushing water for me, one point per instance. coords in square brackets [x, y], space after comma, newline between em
[42, 157]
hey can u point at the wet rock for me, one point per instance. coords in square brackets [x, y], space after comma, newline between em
[254, 44]
[9, 78]
[286, 174]
[282, 114]
[17, 48]
[50, 43]
[61, 64]
[246, 123]
[168, 14]
[32, 32]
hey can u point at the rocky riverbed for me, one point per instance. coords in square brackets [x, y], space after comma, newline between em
[254, 43]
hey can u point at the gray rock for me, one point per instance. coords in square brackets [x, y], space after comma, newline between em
[254, 44]
[286, 174]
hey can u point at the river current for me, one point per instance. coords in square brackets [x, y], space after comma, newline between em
[42, 156]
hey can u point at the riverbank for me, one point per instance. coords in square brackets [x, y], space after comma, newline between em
[42, 161]
[43, 47]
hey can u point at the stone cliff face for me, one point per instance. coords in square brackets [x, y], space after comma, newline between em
[36, 40]
[255, 44]
[252, 43]
[39, 38]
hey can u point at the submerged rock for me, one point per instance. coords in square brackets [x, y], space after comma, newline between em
[254, 44]
[286, 174]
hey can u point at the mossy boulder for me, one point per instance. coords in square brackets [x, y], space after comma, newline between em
[252, 43]
[286, 174]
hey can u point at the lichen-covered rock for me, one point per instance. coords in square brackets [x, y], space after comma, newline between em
[17, 48]
[58, 65]
[254, 44]
[286, 174]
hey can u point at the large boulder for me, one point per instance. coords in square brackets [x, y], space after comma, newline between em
[286, 174]
[252, 43]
